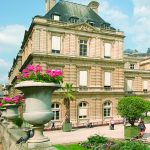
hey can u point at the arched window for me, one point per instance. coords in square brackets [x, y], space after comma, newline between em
[56, 111]
[107, 106]
[83, 110]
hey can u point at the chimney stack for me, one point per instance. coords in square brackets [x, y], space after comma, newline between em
[94, 4]
[49, 4]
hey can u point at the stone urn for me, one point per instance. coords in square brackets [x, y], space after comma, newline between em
[11, 114]
[37, 106]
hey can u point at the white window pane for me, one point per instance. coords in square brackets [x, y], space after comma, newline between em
[83, 112]
[56, 43]
[107, 79]
[145, 85]
[107, 50]
[56, 17]
[129, 85]
[83, 78]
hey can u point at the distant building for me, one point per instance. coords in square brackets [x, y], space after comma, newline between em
[74, 38]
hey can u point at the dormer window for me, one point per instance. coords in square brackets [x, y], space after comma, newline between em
[74, 19]
[56, 17]
[92, 23]
[132, 66]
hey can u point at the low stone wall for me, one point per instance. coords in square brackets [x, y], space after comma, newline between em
[8, 138]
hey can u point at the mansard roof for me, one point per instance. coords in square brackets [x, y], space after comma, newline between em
[67, 10]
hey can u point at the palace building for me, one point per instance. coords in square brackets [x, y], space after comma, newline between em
[74, 38]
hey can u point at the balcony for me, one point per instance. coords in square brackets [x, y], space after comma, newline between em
[144, 92]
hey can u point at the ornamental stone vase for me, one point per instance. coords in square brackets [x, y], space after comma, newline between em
[3, 116]
[37, 107]
[11, 114]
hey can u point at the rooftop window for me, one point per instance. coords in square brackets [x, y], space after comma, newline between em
[92, 23]
[56, 17]
[73, 19]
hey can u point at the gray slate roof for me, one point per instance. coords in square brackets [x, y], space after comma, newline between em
[84, 13]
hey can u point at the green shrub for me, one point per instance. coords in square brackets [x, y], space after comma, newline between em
[97, 139]
[130, 145]
[18, 121]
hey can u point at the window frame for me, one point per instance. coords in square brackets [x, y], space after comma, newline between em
[106, 50]
[132, 66]
[83, 47]
[53, 50]
[107, 109]
[83, 107]
[55, 110]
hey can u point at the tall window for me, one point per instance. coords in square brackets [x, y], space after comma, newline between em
[55, 44]
[83, 110]
[132, 66]
[107, 79]
[129, 85]
[107, 50]
[83, 48]
[56, 111]
[83, 78]
[145, 86]
[107, 109]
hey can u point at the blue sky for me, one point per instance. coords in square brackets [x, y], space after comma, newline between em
[130, 16]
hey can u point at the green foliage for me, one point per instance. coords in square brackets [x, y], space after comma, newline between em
[147, 106]
[131, 131]
[18, 121]
[70, 147]
[131, 108]
[130, 145]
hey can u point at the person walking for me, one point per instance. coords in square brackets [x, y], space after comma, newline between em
[142, 129]
[112, 124]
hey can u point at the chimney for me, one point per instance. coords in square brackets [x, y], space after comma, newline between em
[94, 4]
[49, 4]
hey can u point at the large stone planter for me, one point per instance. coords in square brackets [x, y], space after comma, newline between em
[3, 113]
[37, 107]
[11, 114]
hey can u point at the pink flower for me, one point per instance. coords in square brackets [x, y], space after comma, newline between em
[30, 67]
[38, 68]
[25, 75]
[25, 71]
[1, 104]
[7, 99]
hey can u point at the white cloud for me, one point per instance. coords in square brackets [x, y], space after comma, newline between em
[4, 67]
[110, 14]
[11, 36]
[141, 26]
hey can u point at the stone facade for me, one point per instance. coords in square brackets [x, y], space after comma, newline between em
[95, 101]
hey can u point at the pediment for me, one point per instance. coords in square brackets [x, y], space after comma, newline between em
[84, 27]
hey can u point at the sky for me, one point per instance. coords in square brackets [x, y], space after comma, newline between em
[130, 16]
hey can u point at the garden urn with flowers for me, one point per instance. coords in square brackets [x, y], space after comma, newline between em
[11, 105]
[38, 86]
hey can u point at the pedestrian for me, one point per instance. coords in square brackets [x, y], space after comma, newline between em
[142, 129]
[53, 125]
[111, 124]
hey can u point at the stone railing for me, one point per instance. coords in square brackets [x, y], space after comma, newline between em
[8, 138]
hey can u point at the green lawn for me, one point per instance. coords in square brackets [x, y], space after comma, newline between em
[147, 119]
[70, 147]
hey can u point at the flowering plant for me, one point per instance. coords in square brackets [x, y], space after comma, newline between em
[18, 100]
[37, 74]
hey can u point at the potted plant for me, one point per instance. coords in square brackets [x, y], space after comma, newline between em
[68, 95]
[131, 108]
[38, 86]
[11, 105]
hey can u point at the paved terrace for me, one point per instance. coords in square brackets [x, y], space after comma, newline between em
[78, 135]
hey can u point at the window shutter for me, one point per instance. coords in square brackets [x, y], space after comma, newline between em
[145, 85]
[107, 79]
[56, 43]
[107, 50]
[56, 17]
[83, 112]
[129, 85]
[83, 78]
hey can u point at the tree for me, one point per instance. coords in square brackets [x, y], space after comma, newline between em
[68, 95]
[131, 108]
[147, 107]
